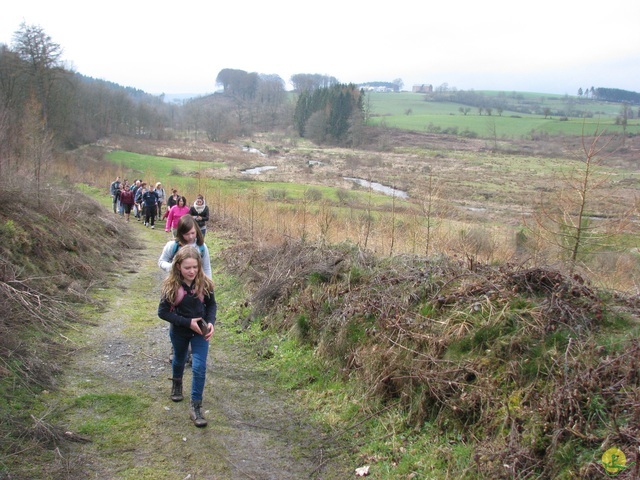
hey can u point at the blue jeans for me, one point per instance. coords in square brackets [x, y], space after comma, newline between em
[199, 351]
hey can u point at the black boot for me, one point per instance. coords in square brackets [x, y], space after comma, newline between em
[176, 390]
[196, 414]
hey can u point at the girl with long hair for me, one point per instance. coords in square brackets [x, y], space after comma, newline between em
[188, 303]
[187, 233]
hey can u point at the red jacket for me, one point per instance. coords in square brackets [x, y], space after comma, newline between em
[126, 197]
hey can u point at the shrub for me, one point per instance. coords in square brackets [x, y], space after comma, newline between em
[275, 194]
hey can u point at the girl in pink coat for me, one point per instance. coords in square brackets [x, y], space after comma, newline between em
[179, 209]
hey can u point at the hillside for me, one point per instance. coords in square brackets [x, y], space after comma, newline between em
[415, 367]
[494, 373]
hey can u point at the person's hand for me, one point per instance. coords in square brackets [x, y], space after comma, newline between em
[210, 332]
[194, 325]
[196, 328]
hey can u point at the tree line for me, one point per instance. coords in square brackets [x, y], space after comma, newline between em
[514, 102]
[617, 95]
[40, 97]
[44, 102]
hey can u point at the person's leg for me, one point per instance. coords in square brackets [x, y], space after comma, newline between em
[152, 216]
[199, 352]
[180, 347]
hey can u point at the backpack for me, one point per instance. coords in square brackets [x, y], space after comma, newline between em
[180, 296]
[177, 246]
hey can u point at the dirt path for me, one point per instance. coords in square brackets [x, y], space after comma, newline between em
[117, 395]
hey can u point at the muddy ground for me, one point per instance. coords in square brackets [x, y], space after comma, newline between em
[255, 431]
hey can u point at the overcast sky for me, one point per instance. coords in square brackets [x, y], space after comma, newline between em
[549, 46]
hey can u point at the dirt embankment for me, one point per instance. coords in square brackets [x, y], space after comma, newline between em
[255, 430]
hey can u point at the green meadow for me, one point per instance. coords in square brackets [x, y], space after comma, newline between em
[186, 176]
[414, 111]
[156, 166]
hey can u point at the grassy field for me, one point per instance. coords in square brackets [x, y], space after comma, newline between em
[157, 166]
[471, 186]
[413, 111]
[184, 175]
[474, 193]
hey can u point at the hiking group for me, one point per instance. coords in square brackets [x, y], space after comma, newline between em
[146, 202]
[187, 299]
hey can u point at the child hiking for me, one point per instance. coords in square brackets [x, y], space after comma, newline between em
[187, 301]
[187, 233]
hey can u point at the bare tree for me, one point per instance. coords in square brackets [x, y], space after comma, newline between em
[398, 83]
[310, 81]
[305, 202]
[493, 132]
[270, 98]
[623, 119]
[431, 207]
[393, 219]
[41, 59]
[38, 143]
[475, 242]
[568, 221]
[326, 217]
[194, 117]
[366, 220]
[254, 197]
[5, 144]
[219, 123]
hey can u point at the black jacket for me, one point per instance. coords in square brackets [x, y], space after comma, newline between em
[179, 316]
[204, 215]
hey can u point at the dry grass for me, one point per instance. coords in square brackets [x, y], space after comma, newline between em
[55, 245]
[477, 200]
[525, 362]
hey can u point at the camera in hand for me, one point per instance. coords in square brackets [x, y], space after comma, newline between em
[204, 327]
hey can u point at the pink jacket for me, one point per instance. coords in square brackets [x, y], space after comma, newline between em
[174, 216]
